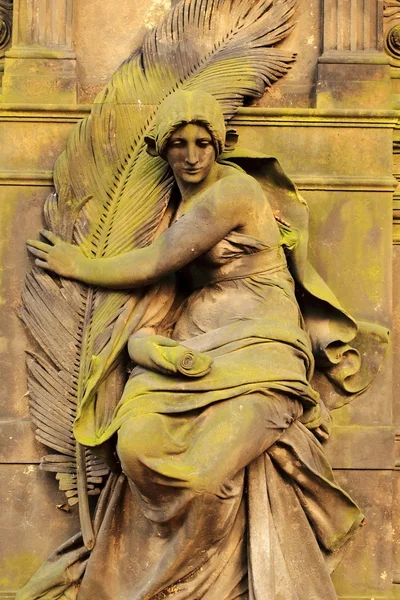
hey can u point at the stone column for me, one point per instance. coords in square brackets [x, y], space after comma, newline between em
[40, 67]
[353, 70]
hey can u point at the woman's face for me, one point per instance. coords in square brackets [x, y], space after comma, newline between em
[190, 153]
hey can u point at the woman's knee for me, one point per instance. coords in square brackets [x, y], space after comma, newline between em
[202, 483]
[213, 482]
[273, 411]
[137, 438]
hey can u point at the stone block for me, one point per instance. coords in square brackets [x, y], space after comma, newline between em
[39, 80]
[366, 571]
[31, 526]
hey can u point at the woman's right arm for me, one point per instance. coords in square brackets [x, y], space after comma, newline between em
[212, 217]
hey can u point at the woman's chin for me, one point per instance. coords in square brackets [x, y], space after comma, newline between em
[194, 177]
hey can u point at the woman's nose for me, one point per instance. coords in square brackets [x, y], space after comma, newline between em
[192, 156]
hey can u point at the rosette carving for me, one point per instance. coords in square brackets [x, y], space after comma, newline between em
[393, 41]
[6, 10]
[391, 14]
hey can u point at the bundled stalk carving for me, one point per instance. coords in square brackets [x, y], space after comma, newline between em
[110, 198]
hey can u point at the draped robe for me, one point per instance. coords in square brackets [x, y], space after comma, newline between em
[282, 520]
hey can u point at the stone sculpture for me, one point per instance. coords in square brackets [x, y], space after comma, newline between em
[225, 490]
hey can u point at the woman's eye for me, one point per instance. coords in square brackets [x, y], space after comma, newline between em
[204, 143]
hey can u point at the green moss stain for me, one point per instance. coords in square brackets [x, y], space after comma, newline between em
[348, 249]
[15, 569]
[6, 225]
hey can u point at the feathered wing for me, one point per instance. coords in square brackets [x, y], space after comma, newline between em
[112, 195]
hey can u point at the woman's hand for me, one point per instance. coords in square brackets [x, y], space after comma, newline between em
[319, 421]
[151, 352]
[57, 256]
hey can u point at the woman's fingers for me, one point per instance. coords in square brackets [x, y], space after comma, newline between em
[52, 237]
[39, 245]
[42, 264]
[38, 253]
[44, 246]
[321, 434]
[164, 341]
[159, 359]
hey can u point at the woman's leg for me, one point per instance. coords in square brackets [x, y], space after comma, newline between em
[232, 434]
[203, 452]
[187, 479]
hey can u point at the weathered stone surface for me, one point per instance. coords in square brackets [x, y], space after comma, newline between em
[116, 33]
[341, 161]
[31, 524]
[367, 569]
[21, 209]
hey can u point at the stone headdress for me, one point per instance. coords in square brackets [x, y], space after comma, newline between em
[184, 107]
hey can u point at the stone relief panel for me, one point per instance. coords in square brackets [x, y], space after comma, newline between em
[338, 191]
[134, 172]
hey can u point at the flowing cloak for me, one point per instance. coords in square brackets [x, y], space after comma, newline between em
[293, 501]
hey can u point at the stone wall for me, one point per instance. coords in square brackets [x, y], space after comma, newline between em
[331, 122]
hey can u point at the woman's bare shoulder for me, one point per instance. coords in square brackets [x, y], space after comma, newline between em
[245, 195]
[239, 183]
[232, 172]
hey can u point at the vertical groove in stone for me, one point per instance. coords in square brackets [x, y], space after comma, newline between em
[340, 30]
[54, 25]
[373, 26]
[68, 24]
[41, 22]
[330, 24]
[367, 21]
[354, 25]
[379, 25]
[19, 22]
[61, 14]
[50, 32]
[36, 10]
[27, 25]
[360, 25]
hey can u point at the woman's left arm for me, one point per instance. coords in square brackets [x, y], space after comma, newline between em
[216, 213]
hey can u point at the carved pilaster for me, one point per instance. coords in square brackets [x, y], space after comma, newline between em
[352, 26]
[353, 68]
[41, 64]
[42, 28]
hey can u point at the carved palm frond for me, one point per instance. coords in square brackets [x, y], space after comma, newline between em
[112, 195]
[56, 322]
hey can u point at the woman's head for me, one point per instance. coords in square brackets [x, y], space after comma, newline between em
[182, 108]
[190, 152]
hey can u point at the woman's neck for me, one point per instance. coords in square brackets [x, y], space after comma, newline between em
[188, 190]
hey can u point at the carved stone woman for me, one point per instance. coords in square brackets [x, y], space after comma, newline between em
[191, 257]
[226, 493]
